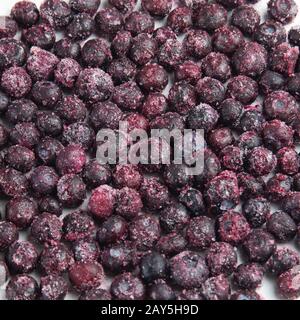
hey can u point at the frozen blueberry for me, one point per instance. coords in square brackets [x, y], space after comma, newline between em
[53, 287]
[192, 199]
[230, 112]
[188, 71]
[41, 64]
[71, 159]
[251, 139]
[143, 49]
[125, 6]
[88, 6]
[293, 85]
[171, 244]
[96, 174]
[250, 59]
[153, 266]
[71, 109]
[13, 183]
[20, 158]
[21, 211]
[270, 33]
[171, 54]
[248, 276]
[283, 59]
[222, 191]
[8, 234]
[95, 53]
[4, 101]
[47, 150]
[232, 227]
[261, 161]
[169, 121]
[188, 269]
[49, 123]
[81, 27]
[94, 85]
[16, 82]
[22, 287]
[221, 258]
[276, 135]
[71, 190]
[108, 21]
[282, 260]
[25, 13]
[174, 218]
[216, 288]
[44, 180]
[158, 8]
[86, 275]
[246, 18]
[245, 295]
[281, 226]
[66, 48]
[22, 257]
[202, 116]
[161, 291]
[243, 89]
[259, 245]
[46, 228]
[8, 27]
[256, 211]
[77, 226]
[128, 203]
[278, 187]
[139, 22]
[210, 16]
[216, 65]
[56, 259]
[197, 43]
[80, 134]
[127, 287]
[291, 205]
[40, 35]
[210, 91]
[51, 205]
[67, 72]
[112, 230]
[121, 43]
[271, 81]
[180, 19]
[282, 10]
[232, 158]
[227, 39]
[127, 176]
[86, 250]
[122, 70]
[200, 232]
[288, 284]
[12, 53]
[288, 160]
[4, 273]
[46, 94]
[294, 36]
[95, 294]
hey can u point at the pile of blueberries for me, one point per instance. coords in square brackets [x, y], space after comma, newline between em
[155, 231]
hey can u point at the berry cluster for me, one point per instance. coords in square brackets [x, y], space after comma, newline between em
[157, 232]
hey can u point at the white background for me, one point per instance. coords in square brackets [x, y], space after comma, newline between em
[268, 289]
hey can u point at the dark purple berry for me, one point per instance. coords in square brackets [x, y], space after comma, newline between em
[121, 43]
[25, 13]
[270, 33]
[283, 11]
[294, 36]
[122, 70]
[20, 158]
[47, 150]
[197, 43]
[81, 27]
[174, 218]
[95, 294]
[193, 200]
[67, 72]
[153, 266]
[157, 8]
[248, 276]
[278, 187]
[202, 116]
[246, 18]
[256, 211]
[128, 203]
[51, 205]
[171, 54]
[9, 27]
[46, 94]
[13, 183]
[88, 6]
[281, 226]
[288, 160]
[112, 230]
[96, 174]
[12, 53]
[161, 291]
[210, 91]
[8, 235]
[216, 288]
[189, 72]
[109, 21]
[143, 49]
[22, 287]
[128, 176]
[171, 244]
[180, 19]
[261, 161]
[53, 287]
[40, 35]
[288, 283]
[271, 81]
[66, 48]
[71, 109]
[216, 65]
[243, 89]
[227, 39]
[86, 250]
[49, 123]
[139, 22]
[44, 180]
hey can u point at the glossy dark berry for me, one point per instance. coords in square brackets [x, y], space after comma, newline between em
[246, 18]
[270, 33]
[256, 211]
[188, 269]
[22, 257]
[221, 258]
[22, 287]
[53, 287]
[282, 10]
[81, 27]
[127, 287]
[21, 211]
[25, 13]
[54, 260]
[259, 245]
[248, 276]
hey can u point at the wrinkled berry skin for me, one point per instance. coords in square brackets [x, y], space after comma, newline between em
[256, 211]
[180, 19]
[221, 258]
[81, 27]
[8, 234]
[248, 276]
[281, 226]
[144, 231]
[282, 11]
[25, 13]
[216, 288]
[270, 33]
[232, 227]
[210, 17]
[22, 287]
[259, 245]
[56, 259]
[77, 226]
[86, 275]
[21, 211]
[288, 284]
[246, 18]
[188, 269]
[22, 257]
[282, 260]
[53, 287]
[250, 59]
[94, 85]
[127, 287]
